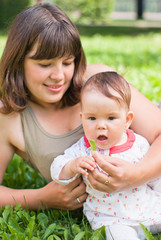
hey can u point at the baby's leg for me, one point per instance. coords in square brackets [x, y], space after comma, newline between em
[156, 228]
[121, 232]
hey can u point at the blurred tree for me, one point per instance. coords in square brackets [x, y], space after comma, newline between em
[9, 9]
[87, 11]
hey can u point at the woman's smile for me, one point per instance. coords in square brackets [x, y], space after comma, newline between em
[54, 88]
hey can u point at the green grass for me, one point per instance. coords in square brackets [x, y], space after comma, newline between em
[136, 56]
[135, 53]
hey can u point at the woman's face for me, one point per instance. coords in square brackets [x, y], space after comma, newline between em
[47, 80]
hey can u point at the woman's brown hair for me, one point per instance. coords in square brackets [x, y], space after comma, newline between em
[55, 36]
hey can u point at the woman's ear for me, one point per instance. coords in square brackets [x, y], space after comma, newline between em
[129, 119]
[80, 114]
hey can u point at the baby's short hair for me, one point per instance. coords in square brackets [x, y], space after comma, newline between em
[107, 81]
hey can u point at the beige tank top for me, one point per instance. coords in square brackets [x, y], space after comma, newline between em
[41, 146]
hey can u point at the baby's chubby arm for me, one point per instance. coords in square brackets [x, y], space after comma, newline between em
[75, 161]
[77, 165]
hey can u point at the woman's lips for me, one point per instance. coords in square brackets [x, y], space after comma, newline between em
[54, 88]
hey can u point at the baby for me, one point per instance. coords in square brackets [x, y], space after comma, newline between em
[106, 118]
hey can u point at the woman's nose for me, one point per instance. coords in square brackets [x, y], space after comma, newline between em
[57, 73]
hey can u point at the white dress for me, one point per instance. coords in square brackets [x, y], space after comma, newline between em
[131, 207]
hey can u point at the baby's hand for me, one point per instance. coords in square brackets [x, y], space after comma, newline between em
[82, 164]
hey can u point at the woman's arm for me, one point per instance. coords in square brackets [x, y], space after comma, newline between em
[147, 117]
[96, 68]
[147, 122]
[52, 195]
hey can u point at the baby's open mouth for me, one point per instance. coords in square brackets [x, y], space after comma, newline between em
[102, 137]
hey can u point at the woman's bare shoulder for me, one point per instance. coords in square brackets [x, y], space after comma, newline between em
[11, 131]
[8, 120]
[96, 68]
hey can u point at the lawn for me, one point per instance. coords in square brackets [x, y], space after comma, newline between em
[135, 53]
[136, 56]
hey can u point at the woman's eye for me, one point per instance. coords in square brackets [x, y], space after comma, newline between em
[68, 63]
[44, 65]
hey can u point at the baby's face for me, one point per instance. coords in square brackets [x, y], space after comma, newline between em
[104, 119]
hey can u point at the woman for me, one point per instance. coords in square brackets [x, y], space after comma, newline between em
[41, 72]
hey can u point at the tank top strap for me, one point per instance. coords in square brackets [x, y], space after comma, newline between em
[42, 147]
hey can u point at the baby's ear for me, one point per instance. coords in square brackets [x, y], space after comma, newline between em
[80, 114]
[129, 119]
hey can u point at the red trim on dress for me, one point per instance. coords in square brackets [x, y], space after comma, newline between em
[120, 148]
[86, 142]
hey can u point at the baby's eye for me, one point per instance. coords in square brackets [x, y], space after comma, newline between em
[92, 118]
[111, 118]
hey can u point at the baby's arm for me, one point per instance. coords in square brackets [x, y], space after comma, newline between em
[67, 167]
[78, 165]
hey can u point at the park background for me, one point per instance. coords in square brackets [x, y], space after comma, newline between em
[126, 35]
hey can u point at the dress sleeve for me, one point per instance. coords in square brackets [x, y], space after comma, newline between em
[59, 162]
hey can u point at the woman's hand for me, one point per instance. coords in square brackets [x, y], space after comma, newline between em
[120, 175]
[65, 197]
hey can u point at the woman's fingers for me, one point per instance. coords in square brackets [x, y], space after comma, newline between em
[79, 190]
[117, 174]
[66, 195]
[76, 183]
[80, 196]
[101, 181]
[78, 193]
[105, 163]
